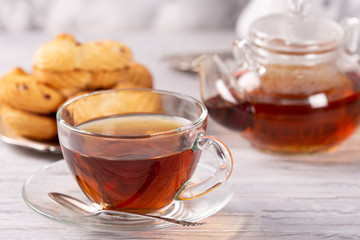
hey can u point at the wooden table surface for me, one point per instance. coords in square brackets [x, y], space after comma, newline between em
[274, 197]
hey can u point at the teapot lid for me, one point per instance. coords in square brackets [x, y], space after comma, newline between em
[296, 32]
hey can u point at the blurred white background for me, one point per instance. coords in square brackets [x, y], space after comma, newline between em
[96, 16]
[104, 16]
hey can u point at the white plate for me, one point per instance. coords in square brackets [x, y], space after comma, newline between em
[56, 177]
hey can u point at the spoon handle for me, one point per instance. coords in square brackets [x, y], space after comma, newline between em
[171, 220]
[85, 209]
[179, 222]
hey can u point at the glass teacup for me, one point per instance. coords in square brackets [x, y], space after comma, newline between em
[136, 150]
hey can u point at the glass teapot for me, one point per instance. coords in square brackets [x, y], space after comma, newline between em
[293, 86]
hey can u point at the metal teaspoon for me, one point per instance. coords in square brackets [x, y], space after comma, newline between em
[85, 209]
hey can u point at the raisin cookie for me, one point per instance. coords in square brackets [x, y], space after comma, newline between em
[20, 90]
[34, 126]
[108, 61]
[56, 64]
[137, 76]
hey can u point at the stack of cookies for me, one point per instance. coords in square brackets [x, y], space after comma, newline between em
[64, 68]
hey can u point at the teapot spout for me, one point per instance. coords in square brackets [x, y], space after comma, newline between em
[216, 78]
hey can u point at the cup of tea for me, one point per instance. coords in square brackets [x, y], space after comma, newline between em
[136, 150]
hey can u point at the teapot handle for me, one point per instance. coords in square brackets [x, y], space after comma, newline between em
[245, 56]
[351, 27]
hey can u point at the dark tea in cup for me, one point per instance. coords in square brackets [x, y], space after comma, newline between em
[137, 159]
[126, 176]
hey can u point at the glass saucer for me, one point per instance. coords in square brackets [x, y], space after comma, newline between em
[56, 177]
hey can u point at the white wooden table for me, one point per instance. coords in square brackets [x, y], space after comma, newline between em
[274, 198]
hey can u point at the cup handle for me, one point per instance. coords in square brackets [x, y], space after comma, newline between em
[225, 165]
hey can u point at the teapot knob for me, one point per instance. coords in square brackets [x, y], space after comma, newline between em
[296, 6]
